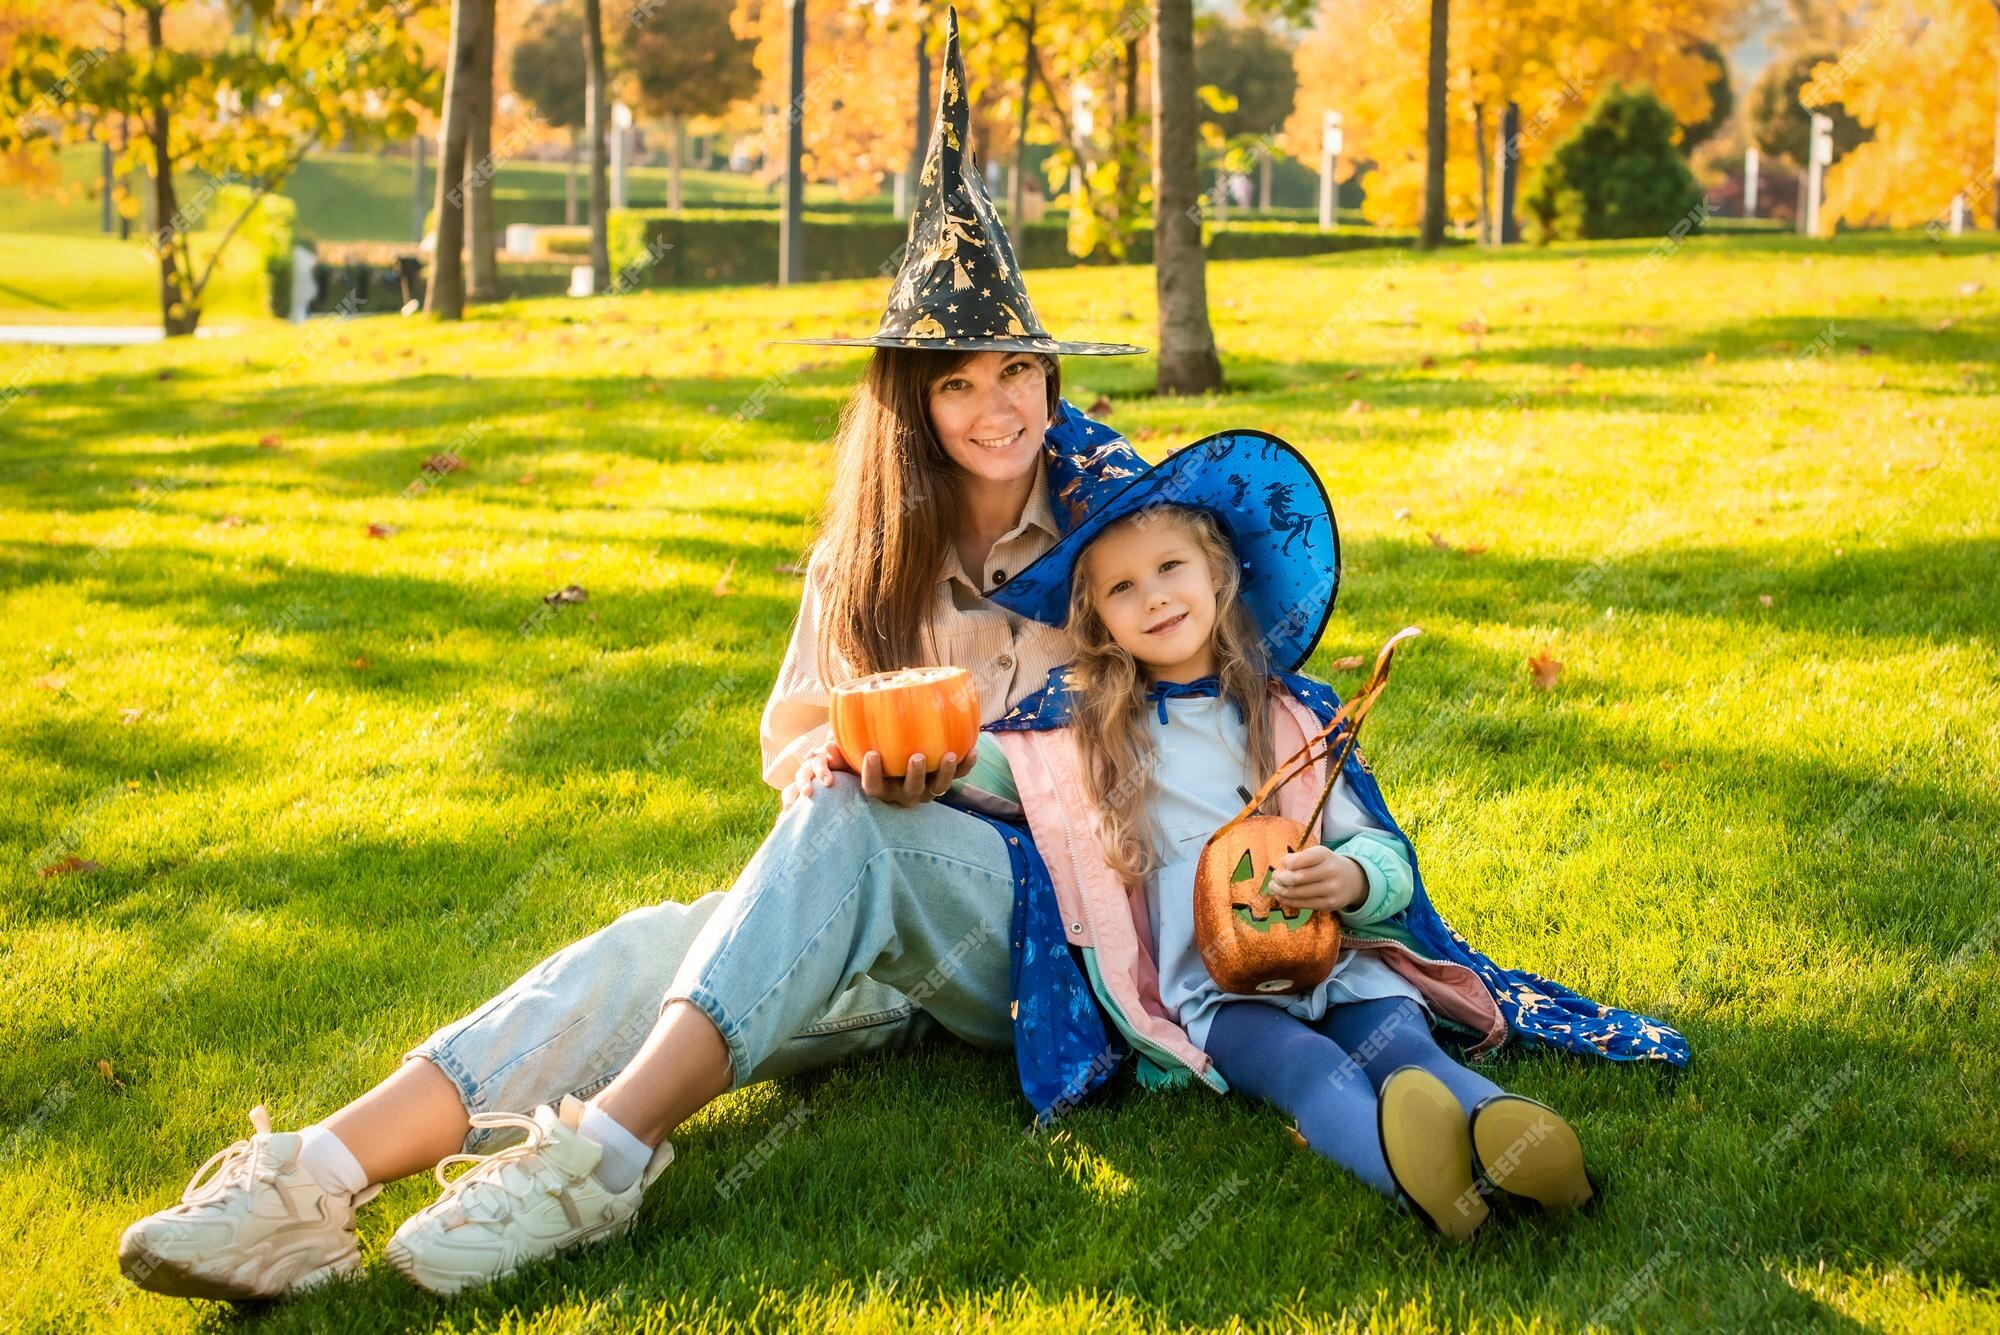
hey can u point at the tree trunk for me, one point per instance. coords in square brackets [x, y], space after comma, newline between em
[569, 182]
[676, 150]
[1188, 361]
[1128, 132]
[178, 313]
[596, 115]
[1487, 234]
[1019, 194]
[445, 298]
[479, 220]
[1436, 133]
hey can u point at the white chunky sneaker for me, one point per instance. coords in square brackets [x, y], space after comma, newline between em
[528, 1201]
[258, 1226]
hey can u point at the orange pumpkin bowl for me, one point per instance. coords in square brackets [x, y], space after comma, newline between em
[909, 711]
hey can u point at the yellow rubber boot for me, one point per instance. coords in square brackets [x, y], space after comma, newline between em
[1526, 1149]
[1424, 1139]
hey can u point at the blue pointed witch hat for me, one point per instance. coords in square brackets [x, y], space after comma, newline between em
[1269, 501]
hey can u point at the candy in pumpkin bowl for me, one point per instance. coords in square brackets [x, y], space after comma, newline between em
[909, 711]
[1249, 941]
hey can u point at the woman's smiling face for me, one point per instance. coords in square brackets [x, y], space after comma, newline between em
[991, 413]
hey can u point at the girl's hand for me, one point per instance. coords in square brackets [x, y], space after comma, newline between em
[1316, 877]
[916, 786]
[815, 771]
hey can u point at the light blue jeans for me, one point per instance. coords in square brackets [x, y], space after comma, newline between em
[857, 927]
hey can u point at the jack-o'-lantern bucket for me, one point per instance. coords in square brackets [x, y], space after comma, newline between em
[1249, 941]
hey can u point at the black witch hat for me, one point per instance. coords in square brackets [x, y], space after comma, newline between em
[959, 288]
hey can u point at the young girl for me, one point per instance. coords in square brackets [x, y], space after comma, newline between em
[1178, 598]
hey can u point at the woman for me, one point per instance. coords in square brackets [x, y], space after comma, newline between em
[869, 913]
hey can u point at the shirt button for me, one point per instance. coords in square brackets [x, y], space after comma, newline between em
[999, 578]
[1004, 662]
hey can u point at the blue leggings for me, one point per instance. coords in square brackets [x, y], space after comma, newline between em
[1326, 1074]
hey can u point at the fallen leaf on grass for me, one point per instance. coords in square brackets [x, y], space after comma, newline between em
[1359, 406]
[51, 682]
[1429, 363]
[568, 593]
[1099, 408]
[69, 865]
[525, 480]
[104, 1069]
[383, 530]
[131, 714]
[1544, 669]
[1352, 373]
[1924, 467]
[270, 442]
[1971, 289]
[1444, 544]
[1403, 512]
[359, 663]
[1862, 349]
[1476, 326]
[722, 589]
[231, 521]
[1945, 324]
[1709, 356]
[603, 480]
[1577, 368]
[1764, 600]
[444, 463]
[1347, 662]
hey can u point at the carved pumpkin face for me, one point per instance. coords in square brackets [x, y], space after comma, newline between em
[907, 712]
[1249, 941]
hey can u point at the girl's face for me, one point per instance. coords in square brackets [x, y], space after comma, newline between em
[991, 414]
[1153, 589]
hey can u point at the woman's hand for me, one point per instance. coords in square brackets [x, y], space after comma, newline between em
[817, 769]
[917, 784]
[1316, 877]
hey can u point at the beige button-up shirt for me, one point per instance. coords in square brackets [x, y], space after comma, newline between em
[1008, 656]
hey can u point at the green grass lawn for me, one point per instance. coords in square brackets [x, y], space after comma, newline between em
[1749, 499]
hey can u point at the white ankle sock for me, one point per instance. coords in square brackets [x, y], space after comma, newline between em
[625, 1155]
[329, 1162]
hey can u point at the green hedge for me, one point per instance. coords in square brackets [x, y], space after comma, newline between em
[706, 246]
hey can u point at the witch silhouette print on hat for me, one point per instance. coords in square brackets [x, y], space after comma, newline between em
[959, 288]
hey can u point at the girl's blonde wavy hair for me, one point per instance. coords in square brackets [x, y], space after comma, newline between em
[1110, 691]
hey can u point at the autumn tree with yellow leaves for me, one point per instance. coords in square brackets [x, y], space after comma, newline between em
[1366, 59]
[1924, 75]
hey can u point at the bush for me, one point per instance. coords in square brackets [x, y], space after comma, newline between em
[269, 234]
[1617, 174]
[696, 247]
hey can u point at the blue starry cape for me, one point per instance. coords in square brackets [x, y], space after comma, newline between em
[1065, 1047]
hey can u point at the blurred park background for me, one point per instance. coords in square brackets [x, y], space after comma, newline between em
[408, 611]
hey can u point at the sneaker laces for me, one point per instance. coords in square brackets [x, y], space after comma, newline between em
[507, 1170]
[234, 1166]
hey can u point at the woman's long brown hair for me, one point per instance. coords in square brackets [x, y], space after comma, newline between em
[889, 519]
[1110, 693]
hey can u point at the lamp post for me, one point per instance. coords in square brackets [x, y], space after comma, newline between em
[1819, 153]
[621, 134]
[1332, 140]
